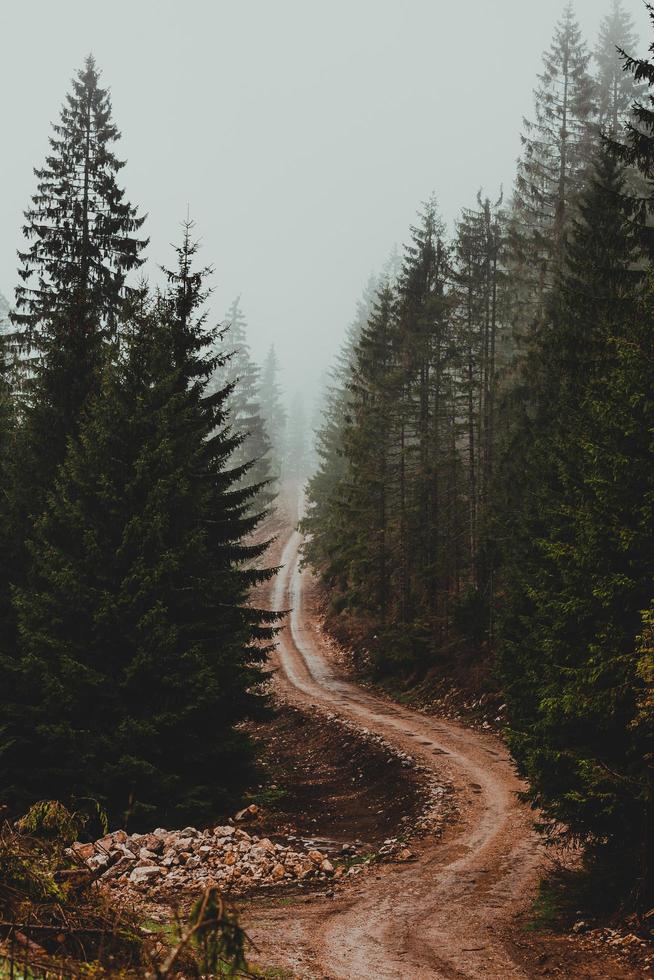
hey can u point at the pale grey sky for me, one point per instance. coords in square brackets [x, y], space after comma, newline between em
[302, 134]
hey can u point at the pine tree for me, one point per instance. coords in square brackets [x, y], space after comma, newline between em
[7, 529]
[238, 373]
[637, 149]
[480, 289]
[82, 245]
[371, 495]
[617, 89]
[322, 522]
[358, 550]
[428, 483]
[297, 442]
[386, 517]
[273, 412]
[577, 566]
[557, 147]
[235, 515]
[80, 227]
[139, 652]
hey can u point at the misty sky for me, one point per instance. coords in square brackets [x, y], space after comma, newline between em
[303, 135]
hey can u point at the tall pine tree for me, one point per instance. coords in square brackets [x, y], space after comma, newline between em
[429, 477]
[7, 528]
[635, 145]
[139, 651]
[616, 89]
[557, 146]
[82, 244]
[273, 412]
[368, 529]
[322, 521]
[480, 292]
[577, 566]
[238, 373]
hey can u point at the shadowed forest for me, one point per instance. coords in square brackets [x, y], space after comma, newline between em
[475, 486]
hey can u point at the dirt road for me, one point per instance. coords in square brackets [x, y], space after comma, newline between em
[444, 916]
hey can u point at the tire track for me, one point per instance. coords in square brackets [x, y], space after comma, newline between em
[444, 916]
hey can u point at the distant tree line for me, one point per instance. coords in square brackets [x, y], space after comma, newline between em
[486, 461]
[137, 462]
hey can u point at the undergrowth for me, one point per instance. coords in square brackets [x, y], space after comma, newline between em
[597, 893]
[56, 920]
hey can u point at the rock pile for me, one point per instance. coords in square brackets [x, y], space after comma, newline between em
[226, 855]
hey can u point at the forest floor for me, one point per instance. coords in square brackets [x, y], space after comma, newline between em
[463, 904]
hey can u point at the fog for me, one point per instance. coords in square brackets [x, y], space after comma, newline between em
[302, 136]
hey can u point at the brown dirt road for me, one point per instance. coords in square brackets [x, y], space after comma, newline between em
[447, 915]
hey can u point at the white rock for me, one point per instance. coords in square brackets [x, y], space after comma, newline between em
[224, 831]
[145, 874]
[98, 861]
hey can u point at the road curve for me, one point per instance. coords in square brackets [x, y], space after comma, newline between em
[448, 914]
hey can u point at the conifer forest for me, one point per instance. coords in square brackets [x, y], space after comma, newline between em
[327, 645]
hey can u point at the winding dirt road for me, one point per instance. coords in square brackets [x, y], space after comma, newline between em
[448, 914]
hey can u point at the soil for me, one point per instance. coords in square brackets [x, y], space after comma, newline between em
[324, 783]
[462, 908]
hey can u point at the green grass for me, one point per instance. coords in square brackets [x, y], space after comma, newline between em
[168, 930]
[19, 973]
[351, 862]
[267, 796]
[549, 908]
[601, 888]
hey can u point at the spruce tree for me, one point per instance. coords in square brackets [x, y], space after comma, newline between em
[80, 229]
[429, 485]
[577, 565]
[82, 244]
[637, 147]
[297, 442]
[238, 373]
[138, 605]
[617, 90]
[322, 521]
[370, 498]
[236, 512]
[357, 551]
[273, 412]
[7, 529]
[557, 146]
[479, 289]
